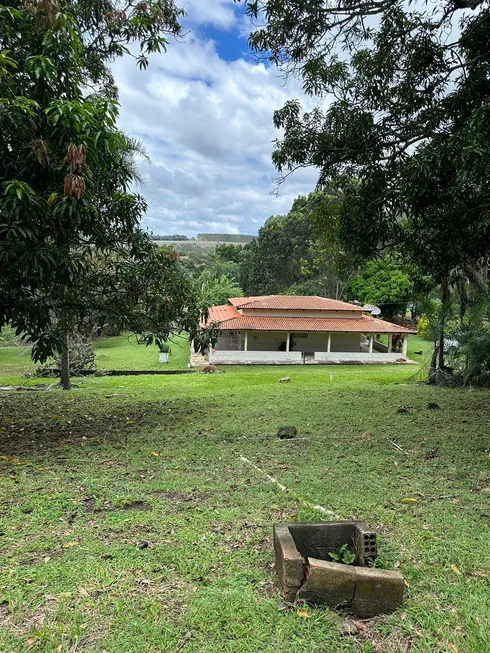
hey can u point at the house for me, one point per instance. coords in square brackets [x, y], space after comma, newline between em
[279, 329]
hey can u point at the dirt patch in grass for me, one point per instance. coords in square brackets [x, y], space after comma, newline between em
[366, 636]
[29, 425]
[89, 504]
[136, 505]
[27, 623]
[177, 496]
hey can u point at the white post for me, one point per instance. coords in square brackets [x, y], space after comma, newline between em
[405, 344]
[329, 342]
[371, 342]
[245, 344]
[288, 341]
[390, 343]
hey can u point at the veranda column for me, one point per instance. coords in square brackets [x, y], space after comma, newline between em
[245, 343]
[390, 343]
[405, 344]
[288, 341]
[329, 342]
[371, 342]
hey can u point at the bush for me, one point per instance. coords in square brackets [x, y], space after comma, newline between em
[471, 356]
[82, 358]
[424, 329]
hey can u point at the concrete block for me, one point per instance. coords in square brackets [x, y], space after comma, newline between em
[378, 591]
[290, 564]
[364, 544]
[329, 583]
[286, 432]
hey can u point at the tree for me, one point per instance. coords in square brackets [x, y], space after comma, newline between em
[329, 265]
[194, 258]
[300, 253]
[384, 282]
[273, 261]
[226, 261]
[409, 119]
[215, 291]
[66, 169]
[229, 252]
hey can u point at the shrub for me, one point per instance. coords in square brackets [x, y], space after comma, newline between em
[424, 329]
[471, 356]
[82, 357]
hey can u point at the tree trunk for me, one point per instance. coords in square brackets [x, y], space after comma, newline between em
[65, 361]
[433, 361]
[442, 323]
[437, 363]
[441, 364]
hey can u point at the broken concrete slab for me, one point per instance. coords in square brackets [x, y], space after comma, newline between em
[305, 571]
[290, 564]
[378, 591]
[329, 583]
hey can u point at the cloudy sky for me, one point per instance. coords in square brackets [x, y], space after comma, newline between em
[204, 111]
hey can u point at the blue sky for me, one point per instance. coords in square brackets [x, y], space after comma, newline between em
[204, 111]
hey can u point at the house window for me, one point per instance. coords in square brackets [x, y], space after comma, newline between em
[299, 335]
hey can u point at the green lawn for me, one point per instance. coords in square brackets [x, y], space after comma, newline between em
[87, 475]
[124, 353]
[118, 353]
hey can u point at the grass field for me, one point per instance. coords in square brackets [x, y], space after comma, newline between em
[88, 475]
[119, 353]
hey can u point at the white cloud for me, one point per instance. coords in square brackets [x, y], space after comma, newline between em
[220, 13]
[207, 124]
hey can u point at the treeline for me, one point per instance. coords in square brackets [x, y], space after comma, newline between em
[170, 237]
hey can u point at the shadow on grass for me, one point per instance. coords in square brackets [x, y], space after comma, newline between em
[44, 424]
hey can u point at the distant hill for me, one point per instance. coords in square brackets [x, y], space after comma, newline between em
[241, 239]
[204, 241]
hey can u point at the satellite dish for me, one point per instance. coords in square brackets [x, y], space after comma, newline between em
[371, 308]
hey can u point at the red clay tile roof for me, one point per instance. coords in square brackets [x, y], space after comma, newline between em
[293, 302]
[231, 320]
[220, 313]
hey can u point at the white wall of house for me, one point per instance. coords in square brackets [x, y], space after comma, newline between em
[345, 342]
[271, 341]
[315, 341]
[256, 357]
[353, 357]
[265, 340]
[230, 341]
